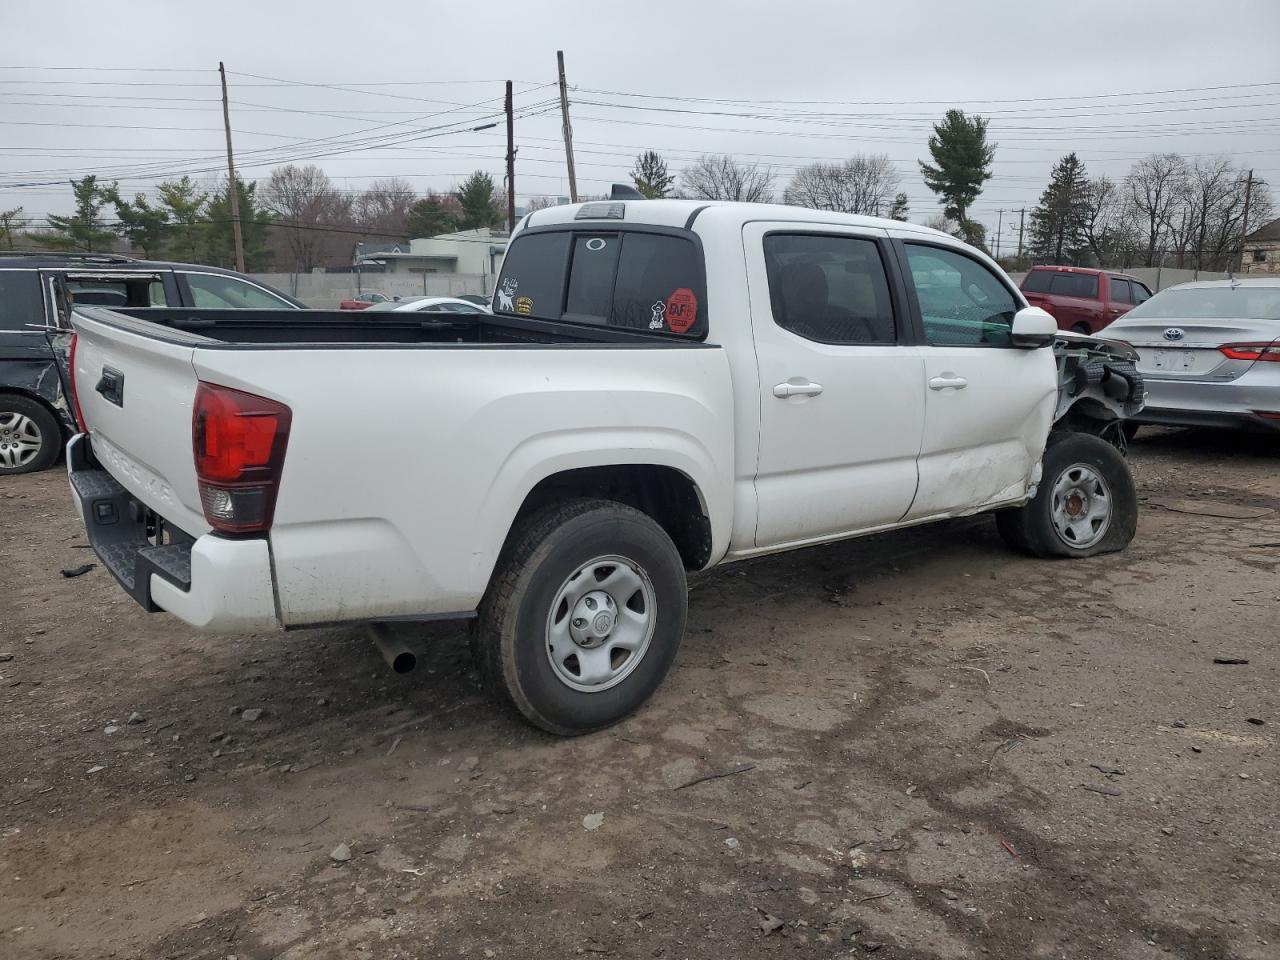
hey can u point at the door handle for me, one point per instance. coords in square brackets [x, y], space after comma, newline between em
[789, 389]
[948, 380]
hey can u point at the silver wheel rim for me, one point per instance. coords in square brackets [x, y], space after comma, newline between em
[600, 624]
[1081, 506]
[20, 439]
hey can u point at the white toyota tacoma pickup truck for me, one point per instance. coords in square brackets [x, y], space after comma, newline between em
[664, 386]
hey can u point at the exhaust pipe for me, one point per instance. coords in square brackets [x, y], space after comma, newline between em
[394, 650]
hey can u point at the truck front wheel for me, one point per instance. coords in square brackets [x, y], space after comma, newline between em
[1086, 502]
[583, 617]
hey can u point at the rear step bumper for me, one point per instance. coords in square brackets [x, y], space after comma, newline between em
[210, 582]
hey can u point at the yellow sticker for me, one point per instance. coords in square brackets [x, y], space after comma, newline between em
[524, 305]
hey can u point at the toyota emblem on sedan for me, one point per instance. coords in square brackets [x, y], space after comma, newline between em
[1174, 333]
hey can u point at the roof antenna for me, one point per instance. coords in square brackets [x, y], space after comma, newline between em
[621, 191]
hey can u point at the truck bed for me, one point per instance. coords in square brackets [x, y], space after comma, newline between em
[295, 328]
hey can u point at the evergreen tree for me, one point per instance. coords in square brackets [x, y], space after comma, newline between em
[650, 175]
[144, 227]
[961, 165]
[187, 207]
[479, 201]
[1059, 221]
[220, 242]
[84, 230]
[900, 208]
[431, 216]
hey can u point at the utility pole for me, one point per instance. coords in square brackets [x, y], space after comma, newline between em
[511, 164]
[233, 194]
[1244, 220]
[999, 228]
[568, 131]
[1022, 222]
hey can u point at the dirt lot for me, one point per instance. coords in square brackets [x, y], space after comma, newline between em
[956, 753]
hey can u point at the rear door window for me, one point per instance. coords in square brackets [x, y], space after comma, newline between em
[628, 279]
[21, 307]
[1083, 285]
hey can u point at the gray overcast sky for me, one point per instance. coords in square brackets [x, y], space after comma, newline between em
[882, 72]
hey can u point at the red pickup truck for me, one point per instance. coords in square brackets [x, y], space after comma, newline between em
[1081, 299]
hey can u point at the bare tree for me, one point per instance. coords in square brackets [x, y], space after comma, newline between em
[8, 220]
[1154, 186]
[720, 177]
[1109, 224]
[382, 210]
[865, 183]
[539, 203]
[307, 208]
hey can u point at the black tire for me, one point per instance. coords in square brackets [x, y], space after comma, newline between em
[511, 636]
[1082, 328]
[25, 416]
[1031, 528]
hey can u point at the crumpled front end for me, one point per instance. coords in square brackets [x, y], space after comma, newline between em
[1099, 386]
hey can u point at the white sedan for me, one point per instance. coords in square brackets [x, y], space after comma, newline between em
[428, 305]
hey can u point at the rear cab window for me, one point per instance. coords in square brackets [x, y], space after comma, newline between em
[634, 279]
[1082, 285]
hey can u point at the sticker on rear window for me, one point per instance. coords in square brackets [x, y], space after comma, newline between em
[505, 292]
[681, 310]
[658, 320]
[524, 305]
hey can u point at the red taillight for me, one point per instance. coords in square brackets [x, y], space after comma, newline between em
[239, 441]
[75, 396]
[1252, 351]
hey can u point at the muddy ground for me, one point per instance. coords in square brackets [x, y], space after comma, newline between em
[955, 752]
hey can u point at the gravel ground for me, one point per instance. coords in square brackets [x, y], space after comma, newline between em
[932, 748]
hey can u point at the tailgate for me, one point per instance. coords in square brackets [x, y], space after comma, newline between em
[136, 391]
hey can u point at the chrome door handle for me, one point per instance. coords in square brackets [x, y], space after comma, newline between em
[948, 380]
[789, 389]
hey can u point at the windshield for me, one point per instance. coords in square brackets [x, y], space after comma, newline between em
[1211, 303]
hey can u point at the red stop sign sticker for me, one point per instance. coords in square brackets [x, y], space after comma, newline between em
[682, 310]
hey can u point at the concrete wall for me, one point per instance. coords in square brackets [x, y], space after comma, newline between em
[326, 290]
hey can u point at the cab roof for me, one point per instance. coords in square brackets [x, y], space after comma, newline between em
[685, 213]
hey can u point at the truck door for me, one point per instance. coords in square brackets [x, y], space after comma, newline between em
[841, 389]
[988, 404]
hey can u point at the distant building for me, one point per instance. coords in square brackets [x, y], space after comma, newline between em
[467, 251]
[1262, 249]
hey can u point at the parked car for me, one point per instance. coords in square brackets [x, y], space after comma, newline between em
[664, 386]
[363, 301]
[1080, 299]
[429, 305]
[1210, 353]
[475, 298]
[34, 417]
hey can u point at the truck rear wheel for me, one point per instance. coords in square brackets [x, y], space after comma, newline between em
[1086, 503]
[30, 437]
[584, 616]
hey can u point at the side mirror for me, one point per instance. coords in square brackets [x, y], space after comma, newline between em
[1033, 327]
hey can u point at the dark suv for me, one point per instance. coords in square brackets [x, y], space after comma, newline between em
[35, 417]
